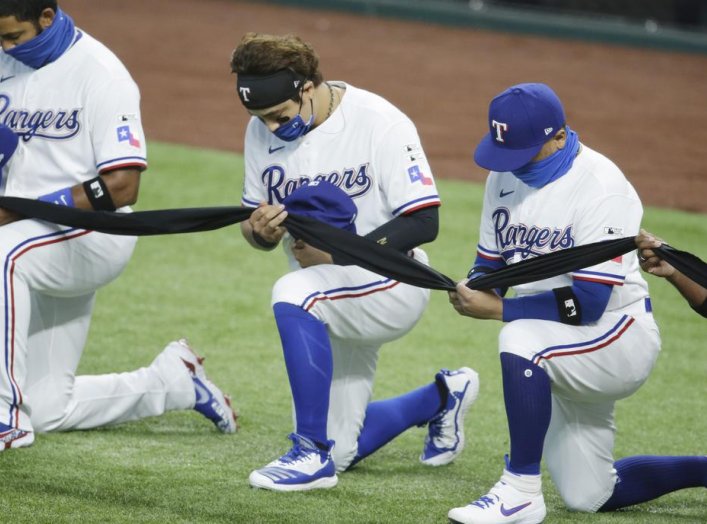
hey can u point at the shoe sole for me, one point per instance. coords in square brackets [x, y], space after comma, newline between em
[261, 482]
[526, 519]
[535, 517]
[448, 457]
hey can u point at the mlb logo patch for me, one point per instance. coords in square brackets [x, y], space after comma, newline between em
[416, 175]
[613, 230]
[126, 135]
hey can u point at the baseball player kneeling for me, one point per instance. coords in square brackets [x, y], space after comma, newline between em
[76, 110]
[340, 145]
[572, 345]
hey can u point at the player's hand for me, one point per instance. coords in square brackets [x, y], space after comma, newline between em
[7, 216]
[266, 221]
[307, 255]
[649, 261]
[476, 304]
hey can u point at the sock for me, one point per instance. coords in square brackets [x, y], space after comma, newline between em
[309, 362]
[643, 478]
[526, 390]
[386, 419]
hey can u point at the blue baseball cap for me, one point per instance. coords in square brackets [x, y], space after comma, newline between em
[8, 144]
[325, 202]
[521, 119]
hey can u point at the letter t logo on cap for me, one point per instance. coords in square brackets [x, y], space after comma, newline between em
[500, 128]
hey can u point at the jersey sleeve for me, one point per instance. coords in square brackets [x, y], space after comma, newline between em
[116, 126]
[487, 253]
[253, 190]
[606, 218]
[405, 174]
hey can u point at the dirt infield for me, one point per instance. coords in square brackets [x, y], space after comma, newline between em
[647, 110]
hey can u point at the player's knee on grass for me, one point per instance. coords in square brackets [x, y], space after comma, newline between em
[585, 500]
[344, 452]
[584, 491]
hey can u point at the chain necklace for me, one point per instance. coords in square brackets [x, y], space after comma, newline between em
[331, 100]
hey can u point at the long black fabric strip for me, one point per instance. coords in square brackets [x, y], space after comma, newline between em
[688, 264]
[366, 253]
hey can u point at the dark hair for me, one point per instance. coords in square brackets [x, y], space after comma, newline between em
[261, 54]
[25, 10]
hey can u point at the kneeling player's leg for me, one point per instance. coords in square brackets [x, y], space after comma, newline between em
[578, 452]
[351, 390]
[386, 419]
[308, 358]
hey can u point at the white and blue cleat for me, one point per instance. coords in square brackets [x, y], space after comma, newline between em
[445, 434]
[304, 467]
[505, 504]
[210, 400]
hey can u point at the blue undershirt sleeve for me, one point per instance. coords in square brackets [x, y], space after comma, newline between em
[592, 297]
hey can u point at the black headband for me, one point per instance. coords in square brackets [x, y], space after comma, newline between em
[261, 91]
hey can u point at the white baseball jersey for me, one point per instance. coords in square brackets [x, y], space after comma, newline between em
[590, 203]
[590, 366]
[76, 117]
[372, 151]
[367, 147]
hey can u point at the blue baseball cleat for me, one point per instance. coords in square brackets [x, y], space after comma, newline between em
[445, 436]
[304, 467]
[210, 400]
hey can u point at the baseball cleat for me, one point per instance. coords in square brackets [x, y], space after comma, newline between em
[445, 435]
[14, 438]
[503, 504]
[210, 400]
[304, 467]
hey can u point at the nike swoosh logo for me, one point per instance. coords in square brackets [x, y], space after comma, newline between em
[511, 511]
[502, 194]
[6, 78]
[271, 149]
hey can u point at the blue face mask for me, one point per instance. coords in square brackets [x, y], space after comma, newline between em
[295, 127]
[539, 174]
[48, 45]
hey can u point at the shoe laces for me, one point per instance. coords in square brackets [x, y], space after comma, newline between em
[298, 453]
[490, 498]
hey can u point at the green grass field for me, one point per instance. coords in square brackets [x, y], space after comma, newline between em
[213, 288]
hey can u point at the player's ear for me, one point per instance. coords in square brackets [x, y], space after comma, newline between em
[561, 137]
[308, 88]
[46, 19]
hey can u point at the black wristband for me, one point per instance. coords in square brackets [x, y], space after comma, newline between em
[568, 306]
[262, 242]
[702, 310]
[98, 194]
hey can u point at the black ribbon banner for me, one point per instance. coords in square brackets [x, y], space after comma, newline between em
[358, 250]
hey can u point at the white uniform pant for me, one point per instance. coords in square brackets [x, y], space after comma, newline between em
[362, 310]
[50, 277]
[590, 367]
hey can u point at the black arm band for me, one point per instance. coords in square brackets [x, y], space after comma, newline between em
[98, 194]
[405, 232]
[702, 310]
[262, 242]
[568, 306]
